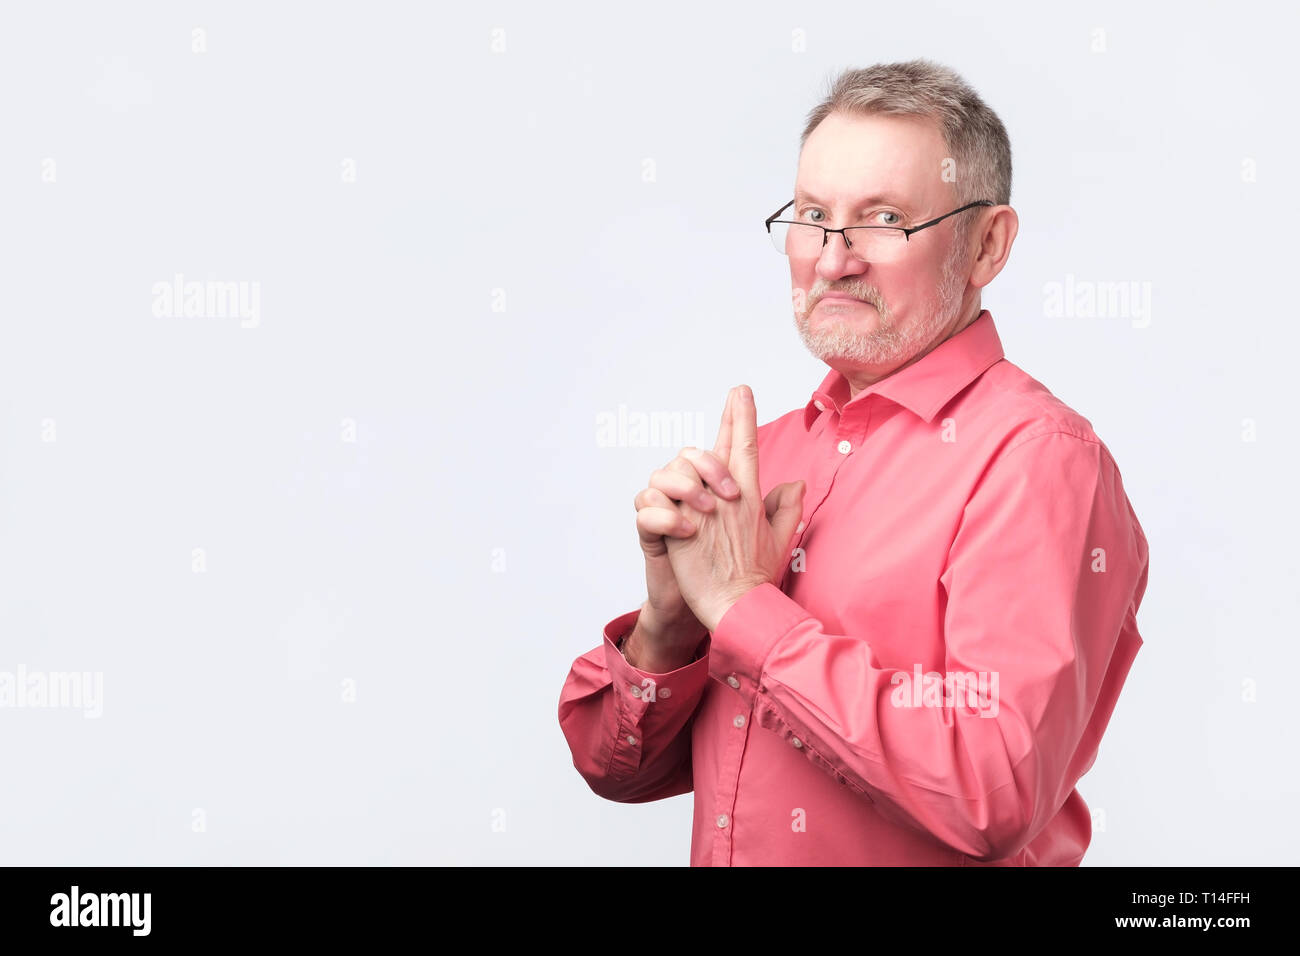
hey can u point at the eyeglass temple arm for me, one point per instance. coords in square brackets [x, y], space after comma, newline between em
[926, 225]
[768, 221]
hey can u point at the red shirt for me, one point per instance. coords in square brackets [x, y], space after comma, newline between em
[932, 675]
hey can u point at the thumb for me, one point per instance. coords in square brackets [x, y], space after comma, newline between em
[784, 508]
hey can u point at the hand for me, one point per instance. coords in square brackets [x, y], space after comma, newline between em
[689, 477]
[741, 544]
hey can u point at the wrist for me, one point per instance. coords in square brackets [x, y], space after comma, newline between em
[659, 651]
[672, 633]
[713, 614]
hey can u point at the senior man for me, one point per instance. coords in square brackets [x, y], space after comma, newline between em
[903, 643]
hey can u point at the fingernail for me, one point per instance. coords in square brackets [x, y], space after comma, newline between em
[729, 487]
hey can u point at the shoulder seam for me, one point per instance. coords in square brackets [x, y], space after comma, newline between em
[1054, 431]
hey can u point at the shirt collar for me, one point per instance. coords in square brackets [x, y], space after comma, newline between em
[926, 385]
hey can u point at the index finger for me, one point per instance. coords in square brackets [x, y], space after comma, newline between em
[743, 463]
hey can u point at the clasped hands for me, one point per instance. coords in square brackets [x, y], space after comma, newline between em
[707, 534]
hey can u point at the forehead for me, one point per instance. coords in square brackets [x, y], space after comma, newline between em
[853, 160]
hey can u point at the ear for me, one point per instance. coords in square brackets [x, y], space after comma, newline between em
[996, 233]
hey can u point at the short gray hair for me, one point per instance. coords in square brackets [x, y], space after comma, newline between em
[976, 139]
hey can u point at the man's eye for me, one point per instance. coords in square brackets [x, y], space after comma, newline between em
[892, 222]
[809, 212]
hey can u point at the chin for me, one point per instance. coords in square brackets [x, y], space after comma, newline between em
[836, 345]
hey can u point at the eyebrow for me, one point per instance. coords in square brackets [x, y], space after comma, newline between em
[867, 201]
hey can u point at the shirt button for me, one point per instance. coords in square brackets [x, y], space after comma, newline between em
[845, 447]
[796, 743]
[739, 720]
[631, 739]
[665, 692]
[636, 691]
[820, 406]
[722, 819]
[733, 682]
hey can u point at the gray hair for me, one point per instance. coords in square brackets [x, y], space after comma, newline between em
[976, 139]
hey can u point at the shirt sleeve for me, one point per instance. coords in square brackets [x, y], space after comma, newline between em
[1042, 585]
[629, 729]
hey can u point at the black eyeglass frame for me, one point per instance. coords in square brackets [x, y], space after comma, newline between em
[907, 232]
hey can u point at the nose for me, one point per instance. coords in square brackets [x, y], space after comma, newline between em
[836, 261]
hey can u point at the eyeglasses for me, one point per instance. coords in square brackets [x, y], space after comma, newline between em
[805, 240]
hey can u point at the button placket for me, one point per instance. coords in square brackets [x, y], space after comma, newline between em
[733, 752]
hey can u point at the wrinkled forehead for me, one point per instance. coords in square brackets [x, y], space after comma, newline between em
[849, 162]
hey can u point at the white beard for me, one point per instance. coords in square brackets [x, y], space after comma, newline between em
[885, 346]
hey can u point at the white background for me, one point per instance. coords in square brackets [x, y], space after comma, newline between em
[499, 274]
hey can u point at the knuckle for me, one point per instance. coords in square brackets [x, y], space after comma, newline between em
[680, 468]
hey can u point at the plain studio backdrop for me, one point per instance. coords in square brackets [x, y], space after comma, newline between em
[320, 321]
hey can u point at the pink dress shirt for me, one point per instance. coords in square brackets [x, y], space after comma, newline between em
[933, 673]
